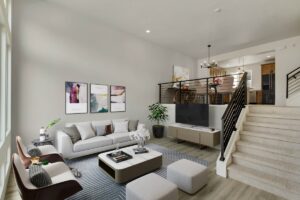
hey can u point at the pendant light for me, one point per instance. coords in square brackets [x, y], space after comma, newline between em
[209, 64]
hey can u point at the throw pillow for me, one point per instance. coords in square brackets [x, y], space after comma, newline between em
[100, 130]
[86, 131]
[34, 152]
[38, 176]
[121, 127]
[108, 129]
[73, 133]
[132, 125]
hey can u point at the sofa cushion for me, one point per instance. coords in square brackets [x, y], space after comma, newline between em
[73, 133]
[100, 123]
[119, 137]
[86, 131]
[108, 129]
[132, 125]
[91, 143]
[121, 127]
[100, 130]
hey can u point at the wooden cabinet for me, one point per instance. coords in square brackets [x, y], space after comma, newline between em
[188, 135]
[267, 68]
[172, 132]
[202, 136]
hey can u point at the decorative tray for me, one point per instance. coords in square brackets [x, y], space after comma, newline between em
[119, 156]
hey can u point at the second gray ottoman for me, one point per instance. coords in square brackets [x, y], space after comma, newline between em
[151, 187]
[188, 175]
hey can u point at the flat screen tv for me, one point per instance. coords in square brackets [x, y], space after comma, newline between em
[194, 114]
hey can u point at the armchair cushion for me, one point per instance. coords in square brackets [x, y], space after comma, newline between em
[132, 125]
[33, 152]
[72, 131]
[38, 176]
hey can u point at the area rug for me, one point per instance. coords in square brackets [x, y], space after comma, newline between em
[98, 185]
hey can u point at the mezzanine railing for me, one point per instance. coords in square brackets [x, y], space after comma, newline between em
[293, 82]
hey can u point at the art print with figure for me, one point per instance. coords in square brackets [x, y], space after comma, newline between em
[76, 97]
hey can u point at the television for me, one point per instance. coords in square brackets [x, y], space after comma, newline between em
[194, 114]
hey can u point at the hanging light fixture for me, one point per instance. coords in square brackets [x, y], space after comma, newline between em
[209, 64]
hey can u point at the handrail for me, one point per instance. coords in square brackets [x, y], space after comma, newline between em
[290, 76]
[232, 113]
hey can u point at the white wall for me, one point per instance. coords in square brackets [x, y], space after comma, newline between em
[53, 44]
[286, 59]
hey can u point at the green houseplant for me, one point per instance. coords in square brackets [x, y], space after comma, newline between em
[158, 114]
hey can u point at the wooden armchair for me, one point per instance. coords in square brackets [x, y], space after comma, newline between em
[49, 153]
[64, 184]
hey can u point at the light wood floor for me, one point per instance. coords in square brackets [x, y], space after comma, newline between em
[218, 188]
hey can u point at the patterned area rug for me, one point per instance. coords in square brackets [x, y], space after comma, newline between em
[98, 185]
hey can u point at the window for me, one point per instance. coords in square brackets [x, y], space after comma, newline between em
[5, 93]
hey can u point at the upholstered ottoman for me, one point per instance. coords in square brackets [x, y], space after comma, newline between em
[151, 187]
[187, 175]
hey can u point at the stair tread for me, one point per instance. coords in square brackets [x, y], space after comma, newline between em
[271, 148]
[277, 126]
[277, 116]
[271, 180]
[273, 136]
[284, 166]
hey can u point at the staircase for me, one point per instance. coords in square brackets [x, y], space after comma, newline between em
[267, 155]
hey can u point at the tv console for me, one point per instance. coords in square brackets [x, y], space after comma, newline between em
[196, 134]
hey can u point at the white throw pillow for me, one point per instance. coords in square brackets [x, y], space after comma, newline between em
[121, 127]
[86, 131]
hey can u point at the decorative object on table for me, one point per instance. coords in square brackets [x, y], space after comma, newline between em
[158, 113]
[98, 98]
[180, 74]
[117, 98]
[76, 97]
[119, 156]
[43, 131]
[141, 136]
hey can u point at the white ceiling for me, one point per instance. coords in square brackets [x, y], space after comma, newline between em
[188, 26]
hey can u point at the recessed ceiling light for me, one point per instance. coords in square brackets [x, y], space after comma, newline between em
[269, 56]
[148, 31]
[217, 10]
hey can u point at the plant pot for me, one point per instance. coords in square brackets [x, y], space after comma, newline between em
[158, 131]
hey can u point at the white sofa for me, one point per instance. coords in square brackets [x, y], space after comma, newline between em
[92, 145]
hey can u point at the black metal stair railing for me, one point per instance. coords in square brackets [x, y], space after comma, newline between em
[292, 82]
[232, 113]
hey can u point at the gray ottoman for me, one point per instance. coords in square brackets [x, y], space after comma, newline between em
[151, 187]
[188, 175]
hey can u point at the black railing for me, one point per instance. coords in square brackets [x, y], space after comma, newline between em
[210, 90]
[232, 113]
[292, 82]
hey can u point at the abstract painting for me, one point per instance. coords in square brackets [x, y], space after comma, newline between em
[76, 97]
[117, 98]
[98, 98]
[180, 74]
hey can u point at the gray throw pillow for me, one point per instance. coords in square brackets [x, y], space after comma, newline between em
[33, 152]
[38, 176]
[132, 125]
[100, 130]
[73, 133]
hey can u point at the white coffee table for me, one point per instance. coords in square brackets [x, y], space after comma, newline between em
[128, 170]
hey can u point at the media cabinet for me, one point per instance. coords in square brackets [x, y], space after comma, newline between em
[196, 134]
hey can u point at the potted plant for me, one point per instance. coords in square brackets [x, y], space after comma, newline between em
[158, 113]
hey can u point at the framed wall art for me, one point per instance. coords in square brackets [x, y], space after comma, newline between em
[98, 98]
[76, 97]
[117, 98]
